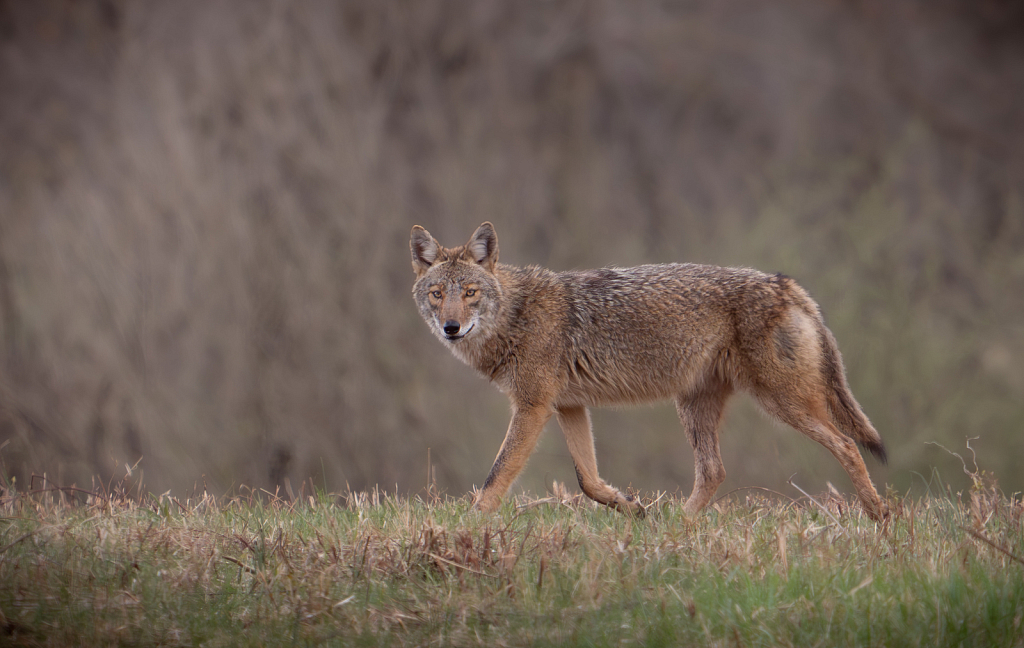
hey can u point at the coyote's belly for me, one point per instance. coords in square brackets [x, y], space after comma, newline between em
[626, 390]
[656, 370]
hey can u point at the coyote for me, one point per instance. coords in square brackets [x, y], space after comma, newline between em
[560, 342]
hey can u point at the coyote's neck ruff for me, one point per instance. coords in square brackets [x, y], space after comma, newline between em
[558, 342]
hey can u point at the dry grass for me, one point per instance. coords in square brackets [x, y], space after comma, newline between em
[115, 568]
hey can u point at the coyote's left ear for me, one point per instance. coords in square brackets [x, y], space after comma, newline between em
[483, 246]
[424, 250]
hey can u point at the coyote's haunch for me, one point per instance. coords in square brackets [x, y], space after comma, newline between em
[559, 342]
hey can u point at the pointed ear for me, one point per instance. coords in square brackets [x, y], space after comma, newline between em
[483, 246]
[424, 250]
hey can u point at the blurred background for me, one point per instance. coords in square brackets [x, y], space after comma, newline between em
[205, 212]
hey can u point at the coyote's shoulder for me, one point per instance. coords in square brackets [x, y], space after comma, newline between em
[558, 342]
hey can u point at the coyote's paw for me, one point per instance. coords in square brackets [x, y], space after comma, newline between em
[486, 504]
[630, 505]
[880, 512]
[693, 507]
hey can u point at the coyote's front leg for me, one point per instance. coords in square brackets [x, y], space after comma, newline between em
[575, 422]
[524, 430]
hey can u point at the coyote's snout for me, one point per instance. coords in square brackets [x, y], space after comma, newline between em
[560, 342]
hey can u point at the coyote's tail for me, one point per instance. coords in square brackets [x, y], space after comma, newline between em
[846, 412]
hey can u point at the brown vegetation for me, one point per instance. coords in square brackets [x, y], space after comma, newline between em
[113, 567]
[205, 207]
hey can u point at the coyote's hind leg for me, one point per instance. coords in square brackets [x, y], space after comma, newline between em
[811, 418]
[700, 413]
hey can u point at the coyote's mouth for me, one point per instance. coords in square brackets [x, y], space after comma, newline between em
[457, 337]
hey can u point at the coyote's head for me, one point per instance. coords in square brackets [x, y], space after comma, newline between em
[456, 290]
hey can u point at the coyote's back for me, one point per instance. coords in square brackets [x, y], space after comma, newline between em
[558, 342]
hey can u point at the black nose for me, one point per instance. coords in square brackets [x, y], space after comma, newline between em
[451, 327]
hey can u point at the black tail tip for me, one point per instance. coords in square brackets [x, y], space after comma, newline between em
[877, 448]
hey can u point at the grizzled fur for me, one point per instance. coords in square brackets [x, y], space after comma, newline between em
[560, 342]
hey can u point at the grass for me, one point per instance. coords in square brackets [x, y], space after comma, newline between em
[371, 569]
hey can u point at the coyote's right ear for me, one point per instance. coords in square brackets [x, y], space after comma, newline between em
[424, 250]
[483, 246]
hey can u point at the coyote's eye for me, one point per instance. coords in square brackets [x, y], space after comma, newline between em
[470, 292]
[436, 294]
